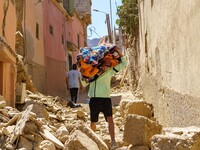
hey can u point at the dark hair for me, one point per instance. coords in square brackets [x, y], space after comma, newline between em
[74, 66]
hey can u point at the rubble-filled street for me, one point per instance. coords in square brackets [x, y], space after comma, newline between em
[99, 75]
[49, 123]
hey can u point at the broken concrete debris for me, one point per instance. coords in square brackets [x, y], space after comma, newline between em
[47, 122]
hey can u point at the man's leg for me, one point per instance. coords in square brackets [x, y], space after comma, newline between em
[75, 94]
[108, 112]
[111, 128]
[71, 93]
[94, 112]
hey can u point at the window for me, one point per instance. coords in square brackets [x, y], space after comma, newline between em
[78, 40]
[51, 29]
[62, 39]
[37, 31]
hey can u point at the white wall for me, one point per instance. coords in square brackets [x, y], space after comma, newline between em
[170, 59]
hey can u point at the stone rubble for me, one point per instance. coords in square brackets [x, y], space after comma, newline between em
[138, 130]
[48, 123]
[187, 138]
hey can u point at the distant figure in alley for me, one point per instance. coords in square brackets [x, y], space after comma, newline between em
[73, 81]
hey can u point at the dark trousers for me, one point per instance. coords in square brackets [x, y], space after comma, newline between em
[74, 94]
[97, 105]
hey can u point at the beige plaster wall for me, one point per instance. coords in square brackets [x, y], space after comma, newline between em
[170, 59]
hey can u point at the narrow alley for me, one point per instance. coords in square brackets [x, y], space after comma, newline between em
[99, 75]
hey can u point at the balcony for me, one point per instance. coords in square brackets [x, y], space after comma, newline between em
[71, 46]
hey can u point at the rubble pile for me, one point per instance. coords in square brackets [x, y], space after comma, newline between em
[48, 122]
[23, 75]
[187, 138]
[52, 123]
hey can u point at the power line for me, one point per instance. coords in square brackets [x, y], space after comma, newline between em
[92, 29]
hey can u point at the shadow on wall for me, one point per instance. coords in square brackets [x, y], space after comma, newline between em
[30, 46]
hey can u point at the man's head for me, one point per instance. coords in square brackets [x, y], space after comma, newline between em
[74, 66]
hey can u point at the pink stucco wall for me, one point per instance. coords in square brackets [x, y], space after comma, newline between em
[1, 14]
[10, 28]
[54, 49]
[9, 77]
[56, 52]
[34, 46]
[33, 11]
[8, 70]
[75, 27]
[53, 43]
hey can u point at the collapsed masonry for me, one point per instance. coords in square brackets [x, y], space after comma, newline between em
[23, 75]
[47, 122]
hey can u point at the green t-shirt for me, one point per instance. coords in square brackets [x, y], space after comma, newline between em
[101, 86]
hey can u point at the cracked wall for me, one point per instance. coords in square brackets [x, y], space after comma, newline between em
[170, 59]
[5, 8]
[19, 30]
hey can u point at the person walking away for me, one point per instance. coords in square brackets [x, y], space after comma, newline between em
[99, 94]
[73, 81]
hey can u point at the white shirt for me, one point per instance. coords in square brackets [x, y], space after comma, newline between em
[73, 78]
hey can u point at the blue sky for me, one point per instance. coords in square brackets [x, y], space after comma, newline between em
[98, 19]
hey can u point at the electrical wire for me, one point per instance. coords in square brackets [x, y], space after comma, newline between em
[92, 29]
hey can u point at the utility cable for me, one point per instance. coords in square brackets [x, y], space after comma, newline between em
[92, 29]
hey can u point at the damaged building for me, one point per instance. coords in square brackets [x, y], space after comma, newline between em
[47, 35]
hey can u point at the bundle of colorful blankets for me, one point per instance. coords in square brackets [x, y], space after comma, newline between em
[91, 60]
